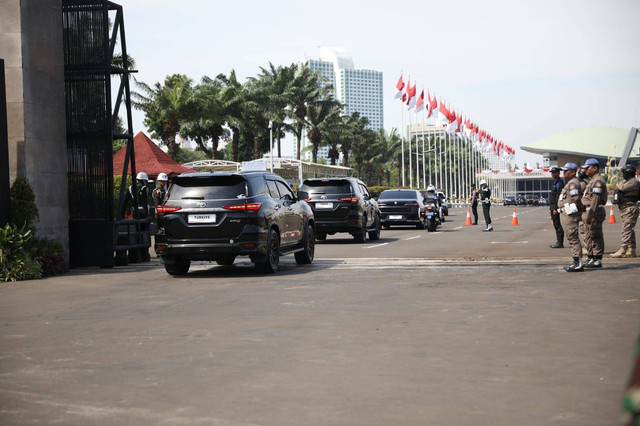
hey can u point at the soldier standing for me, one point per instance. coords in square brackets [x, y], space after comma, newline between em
[594, 199]
[485, 199]
[558, 184]
[160, 191]
[570, 206]
[583, 178]
[628, 205]
[474, 203]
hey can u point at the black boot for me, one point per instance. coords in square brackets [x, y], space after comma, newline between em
[589, 261]
[576, 266]
[558, 244]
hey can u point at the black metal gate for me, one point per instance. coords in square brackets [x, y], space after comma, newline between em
[90, 40]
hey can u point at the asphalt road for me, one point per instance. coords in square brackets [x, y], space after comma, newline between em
[457, 327]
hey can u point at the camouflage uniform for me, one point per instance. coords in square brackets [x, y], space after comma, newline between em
[571, 193]
[629, 211]
[594, 199]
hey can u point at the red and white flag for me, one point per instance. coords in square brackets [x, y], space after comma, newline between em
[399, 87]
[443, 115]
[432, 105]
[420, 102]
[411, 95]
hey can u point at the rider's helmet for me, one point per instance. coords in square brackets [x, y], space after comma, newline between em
[142, 176]
[431, 188]
[483, 182]
[628, 171]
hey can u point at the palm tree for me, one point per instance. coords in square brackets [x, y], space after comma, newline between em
[206, 121]
[304, 91]
[322, 116]
[232, 98]
[354, 127]
[166, 106]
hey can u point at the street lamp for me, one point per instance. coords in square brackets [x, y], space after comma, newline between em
[271, 142]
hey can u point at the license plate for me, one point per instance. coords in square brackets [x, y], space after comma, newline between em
[202, 218]
[395, 217]
[429, 215]
[324, 205]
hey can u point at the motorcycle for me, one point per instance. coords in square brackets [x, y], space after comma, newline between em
[432, 213]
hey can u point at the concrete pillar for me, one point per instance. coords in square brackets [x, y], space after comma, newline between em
[31, 45]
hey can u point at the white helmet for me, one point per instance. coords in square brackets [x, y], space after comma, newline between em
[483, 182]
[162, 176]
[431, 188]
[142, 176]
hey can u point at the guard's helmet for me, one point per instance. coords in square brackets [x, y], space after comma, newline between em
[628, 171]
[162, 176]
[483, 182]
[431, 188]
[142, 176]
[582, 174]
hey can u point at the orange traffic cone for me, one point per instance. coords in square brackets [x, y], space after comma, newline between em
[468, 222]
[514, 219]
[612, 218]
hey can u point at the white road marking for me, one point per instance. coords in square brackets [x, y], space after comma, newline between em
[509, 242]
[377, 245]
[459, 227]
[413, 238]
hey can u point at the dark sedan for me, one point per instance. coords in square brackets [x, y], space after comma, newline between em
[402, 207]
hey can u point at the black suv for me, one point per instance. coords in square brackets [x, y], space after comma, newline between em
[402, 207]
[342, 205]
[218, 216]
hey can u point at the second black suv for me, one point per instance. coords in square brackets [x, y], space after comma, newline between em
[342, 205]
[218, 216]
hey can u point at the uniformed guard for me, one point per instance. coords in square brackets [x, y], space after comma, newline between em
[161, 190]
[558, 184]
[570, 207]
[474, 203]
[582, 176]
[627, 199]
[485, 198]
[594, 199]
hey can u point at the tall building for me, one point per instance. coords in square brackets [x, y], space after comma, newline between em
[360, 90]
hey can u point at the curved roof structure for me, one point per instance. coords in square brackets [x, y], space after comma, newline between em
[340, 58]
[601, 142]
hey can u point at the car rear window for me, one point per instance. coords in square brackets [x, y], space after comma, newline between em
[327, 186]
[399, 195]
[208, 188]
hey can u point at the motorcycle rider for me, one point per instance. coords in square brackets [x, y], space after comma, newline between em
[432, 197]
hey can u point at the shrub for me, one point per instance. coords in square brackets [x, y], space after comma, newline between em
[15, 261]
[23, 208]
[49, 254]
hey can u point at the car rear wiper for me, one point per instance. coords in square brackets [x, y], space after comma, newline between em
[192, 198]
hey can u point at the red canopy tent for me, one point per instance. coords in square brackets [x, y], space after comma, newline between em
[149, 159]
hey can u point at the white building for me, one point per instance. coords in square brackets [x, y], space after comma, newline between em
[360, 90]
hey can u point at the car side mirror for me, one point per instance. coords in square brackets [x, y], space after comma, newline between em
[303, 195]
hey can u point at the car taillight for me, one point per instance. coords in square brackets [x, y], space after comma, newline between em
[167, 209]
[411, 204]
[349, 199]
[246, 207]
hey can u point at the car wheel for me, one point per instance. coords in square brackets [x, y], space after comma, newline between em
[375, 234]
[321, 236]
[272, 261]
[361, 236]
[175, 265]
[226, 261]
[305, 256]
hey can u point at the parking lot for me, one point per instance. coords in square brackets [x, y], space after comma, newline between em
[456, 327]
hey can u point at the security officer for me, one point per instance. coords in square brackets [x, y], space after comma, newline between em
[558, 184]
[485, 199]
[628, 205]
[474, 203]
[583, 178]
[594, 199]
[160, 191]
[570, 206]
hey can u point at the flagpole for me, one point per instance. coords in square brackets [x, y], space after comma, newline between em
[410, 154]
[402, 138]
[424, 166]
[417, 157]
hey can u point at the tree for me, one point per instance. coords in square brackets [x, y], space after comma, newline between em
[166, 106]
[322, 116]
[232, 97]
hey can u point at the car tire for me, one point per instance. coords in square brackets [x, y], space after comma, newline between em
[176, 265]
[305, 256]
[226, 261]
[272, 260]
[375, 234]
[361, 235]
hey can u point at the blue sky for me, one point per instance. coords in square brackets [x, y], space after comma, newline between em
[521, 69]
